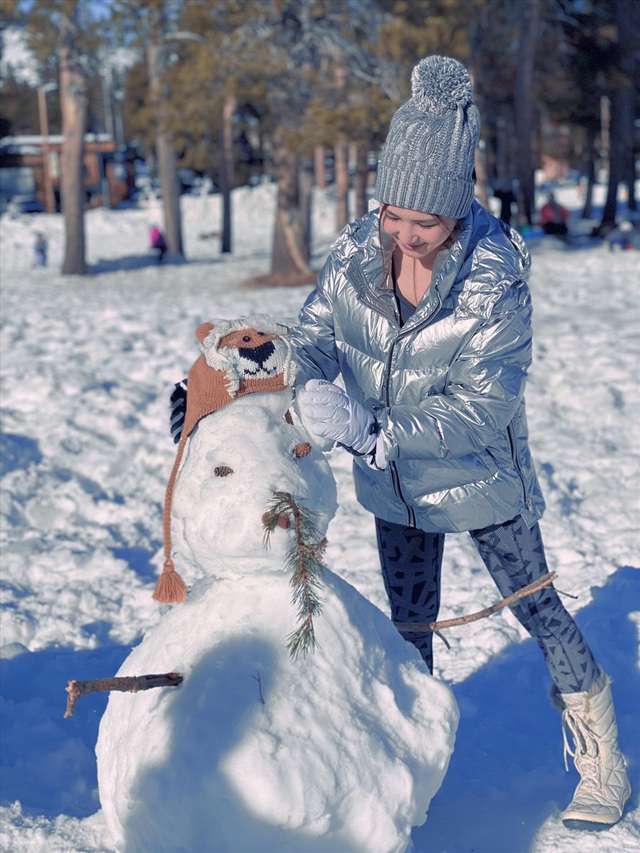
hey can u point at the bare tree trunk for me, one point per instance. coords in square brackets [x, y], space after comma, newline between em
[49, 197]
[164, 148]
[318, 166]
[305, 184]
[616, 163]
[340, 152]
[227, 178]
[629, 175]
[360, 180]
[587, 210]
[482, 184]
[622, 113]
[628, 17]
[290, 256]
[341, 156]
[73, 100]
[480, 163]
[524, 101]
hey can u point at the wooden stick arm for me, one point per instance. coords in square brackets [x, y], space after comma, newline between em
[123, 683]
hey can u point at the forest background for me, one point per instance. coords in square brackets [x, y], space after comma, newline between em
[301, 92]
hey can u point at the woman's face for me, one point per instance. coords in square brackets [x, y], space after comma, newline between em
[417, 234]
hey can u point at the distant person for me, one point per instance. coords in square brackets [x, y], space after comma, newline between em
[40, 250]
[553, 218]
[158, 243]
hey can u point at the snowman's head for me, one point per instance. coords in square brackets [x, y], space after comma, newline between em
[238, 448]
[235, 462]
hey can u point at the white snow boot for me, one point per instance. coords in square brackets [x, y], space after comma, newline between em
[604, 789]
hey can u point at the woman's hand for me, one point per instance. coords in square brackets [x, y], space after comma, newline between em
[334, 415]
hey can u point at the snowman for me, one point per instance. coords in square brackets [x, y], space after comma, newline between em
[304, 721]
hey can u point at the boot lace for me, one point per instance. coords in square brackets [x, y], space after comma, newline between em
[585, 754]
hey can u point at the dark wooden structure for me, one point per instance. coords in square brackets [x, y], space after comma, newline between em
[108, 175]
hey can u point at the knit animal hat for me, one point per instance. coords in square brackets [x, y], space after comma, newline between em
[239, 357]
[428, 158]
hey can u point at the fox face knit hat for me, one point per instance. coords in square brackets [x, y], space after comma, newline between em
[239, 357]
[428, 158]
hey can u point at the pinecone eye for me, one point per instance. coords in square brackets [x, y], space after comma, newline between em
[246, 338]
[222, 471]
[301, 450]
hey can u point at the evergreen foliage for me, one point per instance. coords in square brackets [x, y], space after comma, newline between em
[304, 563]
[279, 79]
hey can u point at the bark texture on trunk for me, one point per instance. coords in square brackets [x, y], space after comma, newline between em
[524, 100]
[73, 101]
[165, 153]
[340, 155]
[623, 103]
[360, 181]
[290, 255]
[227, 178]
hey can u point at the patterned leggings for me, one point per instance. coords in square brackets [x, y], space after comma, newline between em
[411, 562]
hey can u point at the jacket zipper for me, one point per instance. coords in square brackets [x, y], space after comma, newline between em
[395, 477]
[516, 462]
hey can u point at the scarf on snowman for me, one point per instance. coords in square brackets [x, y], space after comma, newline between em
[244, 356]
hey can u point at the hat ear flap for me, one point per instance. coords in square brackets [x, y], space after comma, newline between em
[203, 330]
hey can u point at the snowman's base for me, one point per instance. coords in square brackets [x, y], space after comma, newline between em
[341, 750]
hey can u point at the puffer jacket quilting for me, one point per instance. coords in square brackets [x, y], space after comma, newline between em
[447, 387]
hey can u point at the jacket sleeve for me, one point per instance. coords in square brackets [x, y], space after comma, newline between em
[313, 337]
[484, 389]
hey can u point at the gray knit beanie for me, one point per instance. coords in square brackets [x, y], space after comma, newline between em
[428, 158]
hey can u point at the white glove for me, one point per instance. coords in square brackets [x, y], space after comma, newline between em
[333, 414]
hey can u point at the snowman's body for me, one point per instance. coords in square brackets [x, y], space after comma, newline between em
[338, 751]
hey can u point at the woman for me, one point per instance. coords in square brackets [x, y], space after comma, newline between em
[423, 309]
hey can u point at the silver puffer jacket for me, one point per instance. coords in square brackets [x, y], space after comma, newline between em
[447, 387]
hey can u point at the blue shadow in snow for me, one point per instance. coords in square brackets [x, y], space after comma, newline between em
[17, 452]
[47, 762]
[139, 262]
[139, 559]
[507, 774]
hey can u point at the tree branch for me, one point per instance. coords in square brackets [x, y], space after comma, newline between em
[419, 627]
[125, 684]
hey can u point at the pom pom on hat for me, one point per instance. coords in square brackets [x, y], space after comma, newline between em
[440, 84]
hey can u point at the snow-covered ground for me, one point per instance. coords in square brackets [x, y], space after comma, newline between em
[87, 366]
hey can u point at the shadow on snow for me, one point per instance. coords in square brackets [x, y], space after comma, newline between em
[507, 774]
